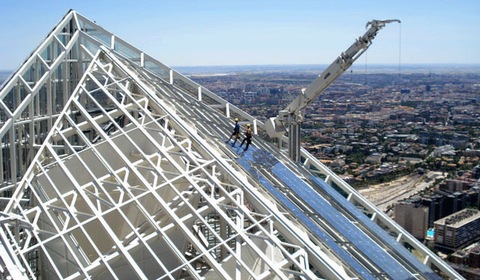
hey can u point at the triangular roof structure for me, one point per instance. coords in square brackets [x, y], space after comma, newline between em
[115, 166]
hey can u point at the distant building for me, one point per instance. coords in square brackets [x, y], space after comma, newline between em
[441, 203]
[413, 217]
[476, 172]
[458, 229]
[469, 256]
[469, 260]
[446, 150]
[452, 186]
[435, 205]
[375, 158]
[443, 138]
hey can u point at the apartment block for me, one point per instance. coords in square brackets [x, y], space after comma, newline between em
[458, 229]
[413, 217]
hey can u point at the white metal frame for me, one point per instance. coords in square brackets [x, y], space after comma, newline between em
[152, 179]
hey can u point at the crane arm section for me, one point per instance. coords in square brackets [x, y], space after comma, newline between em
[293, 112]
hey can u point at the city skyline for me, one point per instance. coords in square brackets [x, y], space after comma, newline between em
[207, 33]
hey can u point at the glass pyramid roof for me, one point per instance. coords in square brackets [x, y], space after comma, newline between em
[115, 166]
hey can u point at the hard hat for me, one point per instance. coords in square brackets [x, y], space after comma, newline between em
[236, 119]
[248, 125]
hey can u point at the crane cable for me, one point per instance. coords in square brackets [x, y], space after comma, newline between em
[399, 55]
[366, 70]
[399, 48]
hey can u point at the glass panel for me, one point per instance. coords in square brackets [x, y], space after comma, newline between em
[64, 38]
[163, 72]
[127, 51]
[51, 53]
[6, 163]
[10, 99]
[34, 73]
[3, 116]
[42, 99]
[47, 54]
[66, 34]
[57, 49]
[90, 45]
[104, 38]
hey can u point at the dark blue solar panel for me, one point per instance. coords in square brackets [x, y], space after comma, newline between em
[247, 161]
[341, 224]
[379, 232]
[359, 239]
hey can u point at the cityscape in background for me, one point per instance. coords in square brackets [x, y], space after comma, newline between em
[407, 137]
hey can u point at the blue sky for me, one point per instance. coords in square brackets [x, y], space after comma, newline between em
[191, 33]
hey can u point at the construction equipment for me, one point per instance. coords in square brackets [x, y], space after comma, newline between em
[292, 116]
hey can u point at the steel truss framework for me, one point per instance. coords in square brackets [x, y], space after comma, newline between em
[114, 166]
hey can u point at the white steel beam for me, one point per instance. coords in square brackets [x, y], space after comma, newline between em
[152, 171]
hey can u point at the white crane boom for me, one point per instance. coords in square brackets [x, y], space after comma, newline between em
[331, 73]
[293, 112]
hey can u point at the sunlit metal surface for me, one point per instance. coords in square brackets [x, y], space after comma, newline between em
[114, 166]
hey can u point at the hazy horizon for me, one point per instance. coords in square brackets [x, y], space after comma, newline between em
[189, 32]
[356, 66]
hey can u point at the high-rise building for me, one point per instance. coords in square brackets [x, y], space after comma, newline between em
[458, 229]
[413, 217]
[115, 166]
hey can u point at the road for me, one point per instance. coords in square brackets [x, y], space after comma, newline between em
[386, 194]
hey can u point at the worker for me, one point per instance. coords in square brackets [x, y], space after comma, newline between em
[236, 133]
[248, 137]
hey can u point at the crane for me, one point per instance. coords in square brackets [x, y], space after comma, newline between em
[292, 115]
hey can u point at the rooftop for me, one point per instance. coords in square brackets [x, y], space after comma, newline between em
[460, 218]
